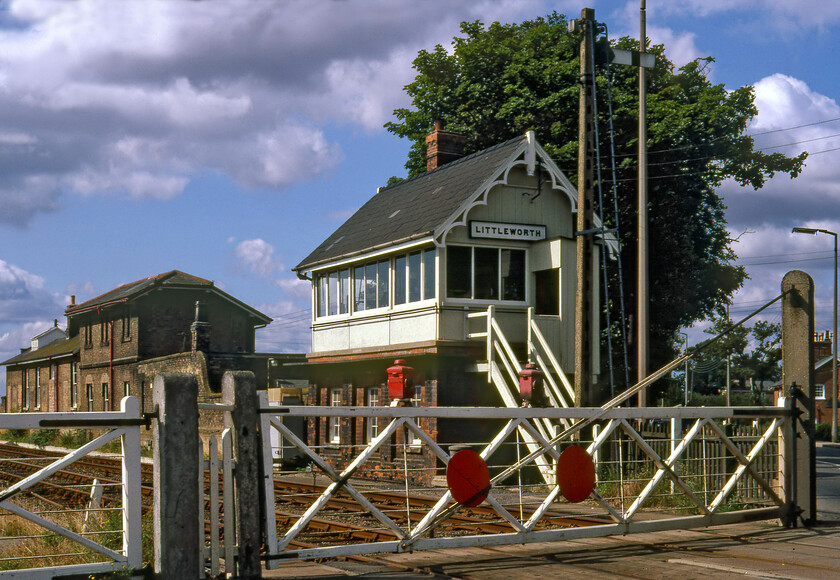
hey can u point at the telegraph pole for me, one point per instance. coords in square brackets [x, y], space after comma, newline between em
[642, 324]
[585, 222]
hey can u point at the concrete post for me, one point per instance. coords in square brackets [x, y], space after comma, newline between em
[239, 389]
[176, 461]
[798, 384]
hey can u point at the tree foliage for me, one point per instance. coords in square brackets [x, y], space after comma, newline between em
[754, 355]
[501, 80]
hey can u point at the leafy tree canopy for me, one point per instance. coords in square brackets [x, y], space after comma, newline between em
[501, 80]
[754, 355]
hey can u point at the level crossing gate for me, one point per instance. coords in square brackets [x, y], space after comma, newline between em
[715, 466]
[87, 548]
[701, 475]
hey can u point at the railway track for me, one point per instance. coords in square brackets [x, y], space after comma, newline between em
[342, 519]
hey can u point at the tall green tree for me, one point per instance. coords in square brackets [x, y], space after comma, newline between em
[499, 81]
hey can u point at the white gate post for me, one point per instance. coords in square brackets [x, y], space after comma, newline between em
[176, 460]
[239, 390]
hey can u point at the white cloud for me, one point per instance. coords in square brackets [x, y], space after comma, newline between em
[298, 290]
[23, 297]
[257, 255]
[790, 120]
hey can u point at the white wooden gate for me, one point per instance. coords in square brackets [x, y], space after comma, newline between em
[123, 425]
[638, 488]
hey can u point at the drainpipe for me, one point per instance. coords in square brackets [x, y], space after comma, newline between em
[111, 364]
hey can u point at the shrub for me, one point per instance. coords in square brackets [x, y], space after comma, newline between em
[823, 431]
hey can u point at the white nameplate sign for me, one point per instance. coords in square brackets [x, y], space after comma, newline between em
[507, 231]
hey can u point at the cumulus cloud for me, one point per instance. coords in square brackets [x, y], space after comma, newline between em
[137, 98]
[300, 290]
[257, 255]
[23, 296]
[791, 118]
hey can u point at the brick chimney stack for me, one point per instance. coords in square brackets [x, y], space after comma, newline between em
[443, 147]
[200, 330]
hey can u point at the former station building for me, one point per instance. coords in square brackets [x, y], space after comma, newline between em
[416, 273]
[116, 343]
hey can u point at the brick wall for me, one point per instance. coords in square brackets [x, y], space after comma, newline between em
[389, 461]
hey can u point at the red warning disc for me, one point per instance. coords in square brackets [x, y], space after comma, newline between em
[468, 478]
[575, 474]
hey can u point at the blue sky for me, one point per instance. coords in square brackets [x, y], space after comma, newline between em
[228, 139]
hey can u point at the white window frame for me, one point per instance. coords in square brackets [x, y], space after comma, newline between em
[25, 401]
[74, 386]
[499, 281]
[421, 252]
[416, 401]
[89, 393]
[106, 399]
[372, 428]
[819, 392]
[126, 388]
[335, 422]
[37, 388]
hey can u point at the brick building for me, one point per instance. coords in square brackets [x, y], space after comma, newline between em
[406, 276]
[823, 377]
[116, 343]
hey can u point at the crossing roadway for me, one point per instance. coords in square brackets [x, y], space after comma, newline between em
[828, 482]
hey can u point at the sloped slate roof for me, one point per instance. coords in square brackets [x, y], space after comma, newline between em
[174, 278]
[413, 208]
[58, 348]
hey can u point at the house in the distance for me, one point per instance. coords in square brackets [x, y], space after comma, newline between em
[116, 343]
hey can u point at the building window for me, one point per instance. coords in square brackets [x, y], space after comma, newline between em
[37, 387]
[89, 392]
[126, 324]
[126, 389]
[88, 335]
[103, 332]
[25, 394]
[106, 402]
[366, 289]
[547, 286]
[414, 277]
[485, 273]
[372, 422]
[416, 401]
[52, 372]
[429, 274]
[819, 391]
[335, 422]
[334, 293]
[74, 387]
[399, 279]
